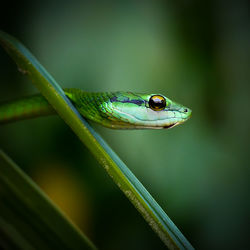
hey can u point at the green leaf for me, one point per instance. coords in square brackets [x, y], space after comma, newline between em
[118, 171]
[28, 219]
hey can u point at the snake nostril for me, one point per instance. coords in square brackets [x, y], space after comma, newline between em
[185, 110]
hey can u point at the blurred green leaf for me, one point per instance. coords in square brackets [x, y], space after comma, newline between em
[118, 171]
[28, 219]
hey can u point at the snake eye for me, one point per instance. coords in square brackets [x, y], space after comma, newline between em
[157, 102]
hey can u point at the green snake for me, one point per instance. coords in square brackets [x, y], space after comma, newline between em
[117, 110]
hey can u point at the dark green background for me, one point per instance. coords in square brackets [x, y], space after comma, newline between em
[196, 53]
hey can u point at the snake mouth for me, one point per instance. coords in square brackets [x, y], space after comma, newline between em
[170, 126]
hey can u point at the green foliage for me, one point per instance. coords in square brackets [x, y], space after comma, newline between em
[117, 170]
[28, 219]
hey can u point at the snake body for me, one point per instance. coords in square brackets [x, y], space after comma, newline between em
[118, 110]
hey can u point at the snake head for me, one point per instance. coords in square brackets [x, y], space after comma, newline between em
[145, 111]
[128, 110]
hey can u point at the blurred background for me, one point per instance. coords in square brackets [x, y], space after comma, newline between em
[194, 52]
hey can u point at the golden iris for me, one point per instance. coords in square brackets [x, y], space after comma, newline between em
[157, 102]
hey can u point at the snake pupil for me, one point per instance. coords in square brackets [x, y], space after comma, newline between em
[157, 102]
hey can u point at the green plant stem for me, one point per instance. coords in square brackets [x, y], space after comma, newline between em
[118, 171]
